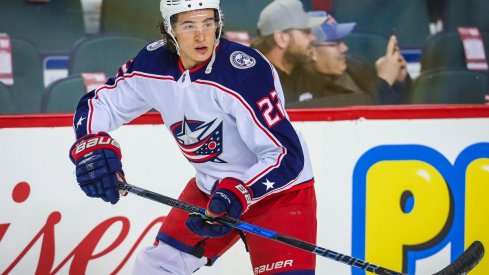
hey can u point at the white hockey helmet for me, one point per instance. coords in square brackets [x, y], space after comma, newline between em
[169, 8]
[172, 7]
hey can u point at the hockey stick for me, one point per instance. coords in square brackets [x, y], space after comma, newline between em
[463, 264]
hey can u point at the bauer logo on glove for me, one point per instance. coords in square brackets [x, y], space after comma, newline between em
[98, 166]
[93, 143]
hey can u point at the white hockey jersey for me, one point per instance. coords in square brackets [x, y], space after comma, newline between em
[229, 123]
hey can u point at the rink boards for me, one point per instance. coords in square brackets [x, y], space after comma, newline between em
[402, 188]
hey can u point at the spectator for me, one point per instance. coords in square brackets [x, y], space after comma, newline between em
[285, 38]
[335, 79]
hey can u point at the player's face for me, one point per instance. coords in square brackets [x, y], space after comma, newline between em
[330, 57]
[298, 51]
[195, 32]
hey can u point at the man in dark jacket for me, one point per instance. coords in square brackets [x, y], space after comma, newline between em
[335, 79]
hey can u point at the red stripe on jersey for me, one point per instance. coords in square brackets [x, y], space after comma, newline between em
[90, 115]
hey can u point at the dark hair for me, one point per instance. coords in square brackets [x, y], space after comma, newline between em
[168, 40]
[264, 44]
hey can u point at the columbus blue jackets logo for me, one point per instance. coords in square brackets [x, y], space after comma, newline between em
[241, 60]
[199, 141]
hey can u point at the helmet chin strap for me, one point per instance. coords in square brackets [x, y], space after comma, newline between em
[208, 69]
[168, 29]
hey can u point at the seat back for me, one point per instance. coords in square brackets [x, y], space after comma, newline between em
[409, 18]
[445, 50]
[466, 13]
[132, 18]
[478, 14]
[28, 76]
[242, 15]
[450, 87]
[104, 53]
[368, 46]
[63, 95]
[53, 27]
[7, 105]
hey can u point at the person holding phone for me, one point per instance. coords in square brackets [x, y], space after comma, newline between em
[334, 78]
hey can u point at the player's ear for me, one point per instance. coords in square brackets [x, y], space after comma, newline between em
[281, 39]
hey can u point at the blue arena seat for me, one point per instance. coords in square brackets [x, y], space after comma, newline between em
[368, 46]
[7, 105]
[445, 50]
[409, 18]
[53, 26]
[242, 15]
[28, 76]
[445, 86]
[104, 53]
[133, 18]
[63, 95]
[466, 13]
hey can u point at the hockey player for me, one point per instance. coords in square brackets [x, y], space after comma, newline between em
[223, 104]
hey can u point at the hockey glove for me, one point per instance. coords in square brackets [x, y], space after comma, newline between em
[98, 158]
[231, 197]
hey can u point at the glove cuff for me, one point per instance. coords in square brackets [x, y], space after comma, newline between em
[92, 142]
[242, 192]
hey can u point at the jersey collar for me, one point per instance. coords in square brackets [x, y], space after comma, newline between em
[182, 69]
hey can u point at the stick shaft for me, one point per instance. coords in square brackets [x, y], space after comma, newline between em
[269, 234]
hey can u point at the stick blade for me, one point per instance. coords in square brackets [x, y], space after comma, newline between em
[466, 261]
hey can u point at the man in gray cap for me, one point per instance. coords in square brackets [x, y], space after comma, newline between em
[334, 78]
[285, 38]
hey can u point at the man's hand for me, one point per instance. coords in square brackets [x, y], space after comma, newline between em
[98, 165]
[392, 67]
[403, 72]
[230, 198]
